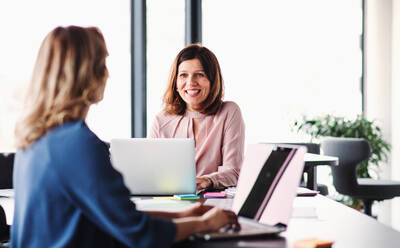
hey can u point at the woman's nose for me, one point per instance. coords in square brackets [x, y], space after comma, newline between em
[192, 80]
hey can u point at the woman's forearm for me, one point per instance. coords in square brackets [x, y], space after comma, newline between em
[188, 226]
[167, 215]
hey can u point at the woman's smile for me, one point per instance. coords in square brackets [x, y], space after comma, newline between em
[192, 83]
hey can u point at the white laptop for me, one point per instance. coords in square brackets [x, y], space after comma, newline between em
[155, 166]
[265, 192]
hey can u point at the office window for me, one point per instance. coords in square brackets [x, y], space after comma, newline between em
[283, 59]
[24, 25]
[165, 38]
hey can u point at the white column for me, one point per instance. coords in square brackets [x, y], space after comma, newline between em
[395, 108]
[378, 80]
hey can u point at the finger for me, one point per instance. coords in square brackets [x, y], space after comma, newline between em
[232, 217]
[199, 187]
[195, 206]
[207, 207]
[229, 212]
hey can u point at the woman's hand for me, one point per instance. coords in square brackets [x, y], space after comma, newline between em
[216, 218]
[211, 220]
[203, 183]
[197, 209]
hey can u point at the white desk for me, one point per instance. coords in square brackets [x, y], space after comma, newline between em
[344, 225]
[317, 159]
[329, 220]
[325, 219]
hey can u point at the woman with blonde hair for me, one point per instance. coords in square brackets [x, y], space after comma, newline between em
[193, 108]
[67, 194]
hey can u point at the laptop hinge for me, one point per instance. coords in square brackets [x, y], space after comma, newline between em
[281, 225]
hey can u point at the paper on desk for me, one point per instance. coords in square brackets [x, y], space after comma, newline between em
[164, 197]
[7, 193]
[304, 207]
[162, 205]
[224, 204]
[306, 192]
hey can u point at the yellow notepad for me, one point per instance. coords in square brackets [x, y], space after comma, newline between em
[165, 197]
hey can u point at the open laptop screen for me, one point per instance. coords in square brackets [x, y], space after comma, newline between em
[156, 166]
[266, 182]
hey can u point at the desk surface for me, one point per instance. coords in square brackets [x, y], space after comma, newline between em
[317, 159]
[344, 225]
[327, 220]
[317, 217]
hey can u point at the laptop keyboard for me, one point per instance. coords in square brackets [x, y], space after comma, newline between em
[248, 228]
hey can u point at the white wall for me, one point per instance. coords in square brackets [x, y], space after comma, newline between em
[279, 64]
[395, 107]
[382, 68]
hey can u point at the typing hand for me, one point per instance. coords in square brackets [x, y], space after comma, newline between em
[197, 209]
[203, 183]
[230, 228]
[216, 218]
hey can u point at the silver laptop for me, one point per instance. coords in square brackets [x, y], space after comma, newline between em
[265, 192]
[155, 166]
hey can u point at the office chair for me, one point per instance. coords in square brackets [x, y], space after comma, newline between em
[6, 170]
[351, 152]
[4, 229]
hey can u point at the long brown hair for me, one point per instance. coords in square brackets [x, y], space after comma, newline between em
[173, 103]
[69, 75]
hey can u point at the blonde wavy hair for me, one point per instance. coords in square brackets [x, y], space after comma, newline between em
[69, 75]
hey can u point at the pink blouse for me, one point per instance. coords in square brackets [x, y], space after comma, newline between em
[219, 145]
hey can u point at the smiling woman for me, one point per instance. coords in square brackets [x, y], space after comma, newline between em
[192, 84]
[91, 208]
[193, 108]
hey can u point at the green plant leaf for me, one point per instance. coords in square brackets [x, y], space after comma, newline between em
[360, 127]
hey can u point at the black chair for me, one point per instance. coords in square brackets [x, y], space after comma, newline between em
[6, 170]
[352, 151]
[4, 229]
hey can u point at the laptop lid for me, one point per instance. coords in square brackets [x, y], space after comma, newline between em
[268, 183]
[265, 192]
[155, 166]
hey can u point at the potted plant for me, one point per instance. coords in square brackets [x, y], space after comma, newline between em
[360, 127]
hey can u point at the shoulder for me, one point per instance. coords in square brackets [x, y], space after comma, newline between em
[74, 147]
[76, 131]
[229, 108]
[162, 119]
[74, 137]
[231, 115]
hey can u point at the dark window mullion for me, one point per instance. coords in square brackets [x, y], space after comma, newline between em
[138, 69]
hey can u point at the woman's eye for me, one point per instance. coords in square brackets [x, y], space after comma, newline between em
[183, 75]
[200, 75]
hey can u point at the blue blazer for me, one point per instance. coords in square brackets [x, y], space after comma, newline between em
[67, 194]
